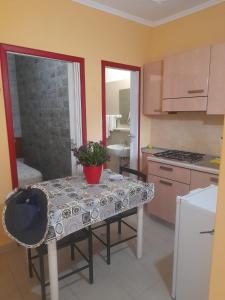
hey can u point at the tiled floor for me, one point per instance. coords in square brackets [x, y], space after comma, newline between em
[127, 278]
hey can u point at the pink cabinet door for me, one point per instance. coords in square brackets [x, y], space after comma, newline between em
[152, 88]
[163, 170]
[145, 162]
[164, 203]
[185, 104]
[216, 97]
[202, 180]
[186, 74]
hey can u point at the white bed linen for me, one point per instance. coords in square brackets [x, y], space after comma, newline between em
[27, 174]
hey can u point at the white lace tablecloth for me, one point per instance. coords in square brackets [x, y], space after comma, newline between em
[74, 204]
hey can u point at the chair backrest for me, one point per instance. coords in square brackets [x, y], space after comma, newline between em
[135, 172]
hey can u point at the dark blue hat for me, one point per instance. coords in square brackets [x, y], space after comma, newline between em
[25, 217]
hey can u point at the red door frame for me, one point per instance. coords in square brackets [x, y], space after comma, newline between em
[4, 48]
[109, 64]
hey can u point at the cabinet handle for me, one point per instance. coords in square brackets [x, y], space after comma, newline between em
[195, 91]
[166, 168]
[208, 232]
[166, 182]
[214, 179]
[157, 110]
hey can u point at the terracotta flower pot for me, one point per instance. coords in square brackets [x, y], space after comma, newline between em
[92, 174]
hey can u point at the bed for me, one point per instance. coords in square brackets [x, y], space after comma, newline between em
[27, 174]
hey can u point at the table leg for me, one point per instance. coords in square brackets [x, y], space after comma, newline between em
[139, 231]
[53, 270]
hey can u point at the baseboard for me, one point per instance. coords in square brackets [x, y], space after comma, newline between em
[8, 247]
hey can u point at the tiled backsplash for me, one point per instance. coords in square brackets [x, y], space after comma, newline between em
[196, 132]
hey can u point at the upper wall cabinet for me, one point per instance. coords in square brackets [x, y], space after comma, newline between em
[153, 88]
[216, 97]
[186, 77]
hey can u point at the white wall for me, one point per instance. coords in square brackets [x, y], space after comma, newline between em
[14, 96]
[112, 95]
[116, 75]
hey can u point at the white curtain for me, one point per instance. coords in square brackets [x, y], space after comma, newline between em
[74, 86]
[134, 103]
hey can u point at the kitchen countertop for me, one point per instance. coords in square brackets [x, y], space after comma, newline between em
[152, 150]
[203, 165]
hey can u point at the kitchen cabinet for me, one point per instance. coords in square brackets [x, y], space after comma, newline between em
[202, 180]
[164, 203]
[145, 162]
[172, 181]
[169, 181]
[216, 97]
[185, 76]
[185, 104]
[170, 172]
[153, 88]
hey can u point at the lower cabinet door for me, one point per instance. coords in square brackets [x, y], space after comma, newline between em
[164, 203]
[202, 180]
[145, 162]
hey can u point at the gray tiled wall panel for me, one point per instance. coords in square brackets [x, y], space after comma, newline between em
[44, 106]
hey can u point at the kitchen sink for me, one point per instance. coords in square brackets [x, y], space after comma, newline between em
[119, 150]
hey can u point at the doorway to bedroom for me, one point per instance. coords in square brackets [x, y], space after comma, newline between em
[47, 116]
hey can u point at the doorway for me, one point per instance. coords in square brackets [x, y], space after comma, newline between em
[44, 97]
[121, 114]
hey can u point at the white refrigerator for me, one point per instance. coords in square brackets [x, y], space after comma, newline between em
[195, 220]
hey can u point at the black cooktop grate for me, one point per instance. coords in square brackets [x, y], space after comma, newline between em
[190, 157]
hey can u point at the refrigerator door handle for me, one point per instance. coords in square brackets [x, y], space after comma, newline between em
[208, 232]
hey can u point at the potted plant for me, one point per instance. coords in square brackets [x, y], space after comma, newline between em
[92, 156]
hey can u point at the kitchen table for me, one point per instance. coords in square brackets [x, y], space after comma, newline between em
[74, 204]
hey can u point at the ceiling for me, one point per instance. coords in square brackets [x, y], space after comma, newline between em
[150, 12]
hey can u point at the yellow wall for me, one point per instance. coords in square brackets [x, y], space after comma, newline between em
[217, 287]
[203, 28]
[199, 29]
[66, 27]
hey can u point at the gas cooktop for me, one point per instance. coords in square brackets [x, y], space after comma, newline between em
[184, 156]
